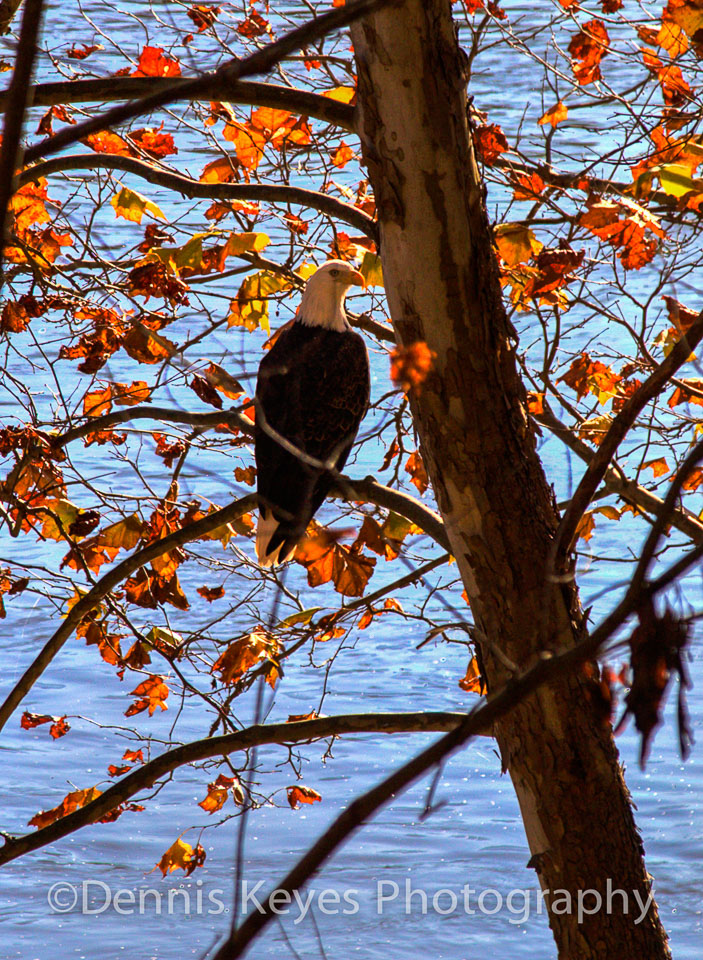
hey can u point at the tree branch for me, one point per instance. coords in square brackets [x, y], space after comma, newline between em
[109, 582]
[249, 92]
[629, 490]
[259, 62]
[302, 731]
[195, 189]
[18, 92]
[8, 9]
[597, 468]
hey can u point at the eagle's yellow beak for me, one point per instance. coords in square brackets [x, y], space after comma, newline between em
[357, 280]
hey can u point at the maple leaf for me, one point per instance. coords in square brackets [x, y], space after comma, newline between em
[253, 26]
[155, 279]
[490, 142]
[148, 589]
[168, 451]
[326, 560]
[203, 15]
[154, 63]
[658, 467]
[587, 49]
[682, 395]
[299, 794]
[657, 648]
[115, 771]
[181, 856]
[72, 801]
[153, 142]
[134, 756]
[211, 593]
[418, 474]
[245, 475]
[105, 141]
[555, 115]
[341, 155]
[244, 653]
[219, 791]
[151, 693]
[205, 391]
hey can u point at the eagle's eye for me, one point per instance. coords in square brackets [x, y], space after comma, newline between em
[334, 273]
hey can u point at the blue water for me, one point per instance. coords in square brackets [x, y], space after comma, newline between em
[474, 836]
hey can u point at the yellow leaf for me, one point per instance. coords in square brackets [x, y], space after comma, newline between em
[343, 94]
[612, 513]
[67, 514]
[245, 243]
[555, 115]
[516, 243]
[189, 255]
[676, 180]
[132, 206]
[371, 270]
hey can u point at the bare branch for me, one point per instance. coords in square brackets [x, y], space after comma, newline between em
[249, 92]
[684, 520]
[301, 731]
[195, 189]
[109, 582]
[596, 470]
[10, 152]
[260, 62]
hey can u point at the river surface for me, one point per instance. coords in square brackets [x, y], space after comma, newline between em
[376, 898]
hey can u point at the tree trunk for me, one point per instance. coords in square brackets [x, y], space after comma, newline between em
[443, 288]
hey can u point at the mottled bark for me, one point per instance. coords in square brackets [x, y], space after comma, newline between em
[499, 512]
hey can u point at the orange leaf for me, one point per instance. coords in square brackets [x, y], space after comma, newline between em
[244, 653]
[181, 856]
[211, 593]
[154, 63]
[72, 801]
[300, 794]
[555, 115]
[418, 474]
[152, 693]
[490, 142]
[341, 155]
[587, 49]
[473, 682]
[411, 365]
[659, 467]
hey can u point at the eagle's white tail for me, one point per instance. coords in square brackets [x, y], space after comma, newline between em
[265, 529]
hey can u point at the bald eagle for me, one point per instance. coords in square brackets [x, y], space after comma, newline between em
[313, 390]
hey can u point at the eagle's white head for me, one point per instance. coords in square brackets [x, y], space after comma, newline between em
[323, 298]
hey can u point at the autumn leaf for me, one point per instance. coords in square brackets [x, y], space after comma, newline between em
[181, 856]
[132, 206]
[154, 143]
[555, 115]
[203, 15]
[244, 653]
[253, 26]
[245, 475]
[72, 801]
[341, 155]
[300, 794]
[133, 756]
[327, 560]
[105, 141]
[219, 791]
[211, 593]
[516, 243]
[81, 52]
[586, 526]
[683, 395]
[418, 475]
[300, 717]
[473, 682]
[154, 63]
[658, 467]
[411, 365]
[205, 391]
[151, 693]
[587, 49]
[490, 142]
